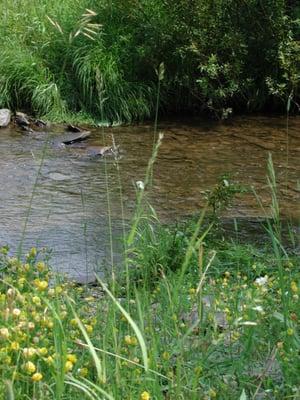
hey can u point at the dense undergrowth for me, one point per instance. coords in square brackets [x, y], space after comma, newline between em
[228, 328]
[100, 58]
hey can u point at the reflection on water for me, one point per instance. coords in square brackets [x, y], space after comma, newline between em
[69, 210]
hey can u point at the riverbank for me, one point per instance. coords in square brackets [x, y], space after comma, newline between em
[195, 316]
[122, 61]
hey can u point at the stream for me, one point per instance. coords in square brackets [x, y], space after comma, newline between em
[57, 197]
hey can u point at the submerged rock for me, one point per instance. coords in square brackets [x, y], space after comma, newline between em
[5, 116]
[94, 151]
[75, 137]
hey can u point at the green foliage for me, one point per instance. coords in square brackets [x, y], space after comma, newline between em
[222, 195]
[97, 56]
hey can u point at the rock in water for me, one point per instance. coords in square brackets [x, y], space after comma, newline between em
[76, 137]
[95, 151]
[5, 116]
[73, 128]
[21, 119]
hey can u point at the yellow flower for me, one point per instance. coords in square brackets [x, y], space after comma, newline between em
[145, 396]
[49, 360]
[166, 355]
[41, 285]
[26, 267]
[14, 346]
[72, 358]
[29, 367]
[83, 372]
[294, 287]
[36, 300]
[40, 266]
[42, 351]
[68, 366]
[58, 289]
[290, 331]
[21, 282]
[37, 377]
[127, 339]
[88, 328]
[33, 252]
[192, 291]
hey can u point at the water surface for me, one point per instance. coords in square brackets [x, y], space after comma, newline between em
[67, 210]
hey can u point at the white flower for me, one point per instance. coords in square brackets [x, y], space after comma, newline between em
[140, 185]
[248, 323]
[262, 281]
[258, 309]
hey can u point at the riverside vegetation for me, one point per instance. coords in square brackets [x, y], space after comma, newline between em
[93, 60]
[193, 316]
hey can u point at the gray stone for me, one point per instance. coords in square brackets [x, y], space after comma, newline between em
[22, 120]
[75, 137]
[5, 116]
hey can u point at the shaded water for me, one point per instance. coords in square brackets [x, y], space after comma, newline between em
[69, 209]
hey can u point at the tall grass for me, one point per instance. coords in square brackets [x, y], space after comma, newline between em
[52, 51]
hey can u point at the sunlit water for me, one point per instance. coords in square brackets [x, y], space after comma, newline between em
[68, 209]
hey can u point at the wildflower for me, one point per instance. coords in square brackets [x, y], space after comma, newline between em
[32, 252]
[145, 396]
[58, 290]
[88, 328]
[294, 287]
[49, 360]
[166, 355]
[290, 331]
[261, 281]
[36, 300]
[72, 358]
[41, 285]
[192, 291]
[21, 282]
[127, 339]
[29, 352]
[31, 325]
[279, 345]
[140, 185]
[14, 346]
[4, 333]
[37, 377]
[40, 266]
[26, 267]
[83, 372]
[42, 351]
[29, 367]
[16, 312]
[11, 293]
[68, 366]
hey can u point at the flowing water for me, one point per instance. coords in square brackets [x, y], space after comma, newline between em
[57, 197]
